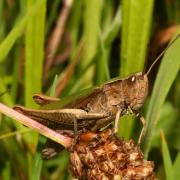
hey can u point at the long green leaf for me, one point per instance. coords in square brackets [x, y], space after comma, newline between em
[34, 54]
[38, 161]
[2, 20]
[176, 166]
[136, 21]
[92, 15]
[102, 54]
[168, 70]
[18, 30]
[112, 32]
[6, 173]
[166, 159]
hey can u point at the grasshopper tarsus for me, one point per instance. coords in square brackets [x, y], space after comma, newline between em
[52, 148]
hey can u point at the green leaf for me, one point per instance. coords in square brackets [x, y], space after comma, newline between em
[136, 22]
[92, 17]
[53, 87]
[18, 30]
[127, 120]
[2, 20]
[34, 52]
[6, 173]
[167, 159]
[38, 161]
[37, 166]
[167, 119]
[167, 72]
[176, 166]
[112, 32]
[102, 54]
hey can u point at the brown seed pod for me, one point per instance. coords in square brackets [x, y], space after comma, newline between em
[105, 157]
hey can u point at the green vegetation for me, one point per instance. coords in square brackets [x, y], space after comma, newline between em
[60, 47]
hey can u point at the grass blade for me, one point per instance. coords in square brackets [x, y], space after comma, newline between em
[2, 27]
[34, 52]
[37, 161]
[53, 86]
[6, 173]
[176, 166]
[166, 159]
[171, 64]
[102, 54]
[92, 15]
[134, 40]
[17, 31]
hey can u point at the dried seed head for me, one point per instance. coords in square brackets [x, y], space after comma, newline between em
[106, 157]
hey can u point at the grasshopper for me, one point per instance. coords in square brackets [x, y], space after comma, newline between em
[93, 109]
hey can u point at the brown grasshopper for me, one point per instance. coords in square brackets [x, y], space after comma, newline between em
[95, 108]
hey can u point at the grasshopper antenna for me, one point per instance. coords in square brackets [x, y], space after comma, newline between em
[162, 53]
[146, 60]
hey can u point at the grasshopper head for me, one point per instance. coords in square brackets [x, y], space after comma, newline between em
[135, 90]
[129, 92]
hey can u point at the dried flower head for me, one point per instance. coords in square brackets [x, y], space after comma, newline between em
[102, 156]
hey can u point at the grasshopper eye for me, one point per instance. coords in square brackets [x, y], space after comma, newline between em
[133, 79]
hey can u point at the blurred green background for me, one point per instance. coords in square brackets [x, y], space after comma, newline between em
[83, 44]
